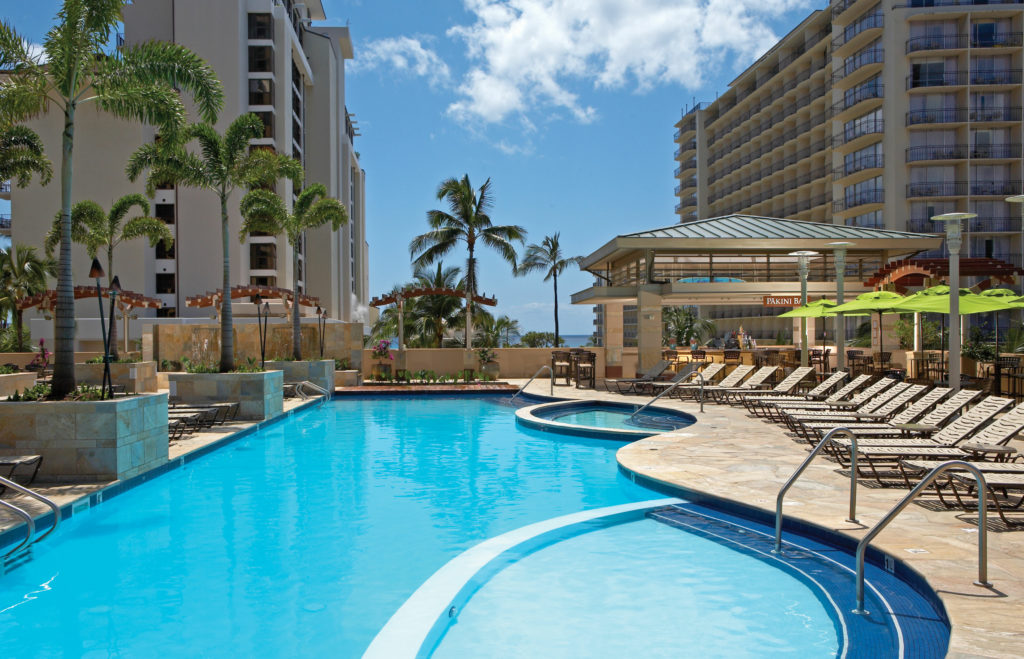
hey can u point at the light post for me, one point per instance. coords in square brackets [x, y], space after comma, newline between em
[262, 317]
[321, 325]
[954, 241]
[839, 256]
[108, 380]
[96, 272]
[803, 258]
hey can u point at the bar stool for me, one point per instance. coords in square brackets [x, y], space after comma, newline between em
[732, 357]
[561, 365]
[586, 368]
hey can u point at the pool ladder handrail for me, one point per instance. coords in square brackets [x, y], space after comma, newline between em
[30, 525]
[312, 385]
[539, 371]
[844, 432]
[913, 494]
[670, 388]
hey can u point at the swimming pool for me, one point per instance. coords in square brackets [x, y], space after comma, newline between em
[604, 419]
[305, 537]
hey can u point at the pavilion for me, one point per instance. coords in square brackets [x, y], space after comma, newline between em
[730, 260]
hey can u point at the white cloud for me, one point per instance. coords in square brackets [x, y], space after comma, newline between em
[403, 54]
[527, 55]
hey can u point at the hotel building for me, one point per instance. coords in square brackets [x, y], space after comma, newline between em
[870, 114]
[273, 62]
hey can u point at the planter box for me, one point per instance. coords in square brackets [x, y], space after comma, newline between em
[319, 372]
[88, 441]
[349, 378]
[259, 395]
[16, 382]
[136, 377]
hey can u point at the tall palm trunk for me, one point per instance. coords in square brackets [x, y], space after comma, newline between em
[470, 291]
[64, 319]
[296, 327]
[556, 310]
[18, 328]
[227, 341]
[113, 322]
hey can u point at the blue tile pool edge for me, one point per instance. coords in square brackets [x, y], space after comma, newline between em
[44, 521]
[873, 556]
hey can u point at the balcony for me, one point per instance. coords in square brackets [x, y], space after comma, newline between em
[962, 188]
[975, 225]
[856, 199]
[5, 187]
[869, 22]
[855, 96]
[936, 79]
[858, 62]
[5, 224]
[870, 161]
[1007, 114]
[996, 77]
[689, 146]
[872, 127]
[964, 151]
[957, 41]
[956, 3]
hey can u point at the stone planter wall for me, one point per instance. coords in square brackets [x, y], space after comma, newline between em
[351, 378]
[259, 395]
[144, 380]
[15, 382]
[88, 441]
[319, 372]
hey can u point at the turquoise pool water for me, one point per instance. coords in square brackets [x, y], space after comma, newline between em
[641, 589]
[604, 418]
[302, 539]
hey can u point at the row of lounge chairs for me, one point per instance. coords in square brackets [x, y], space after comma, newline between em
[184, 419]
[903, 430]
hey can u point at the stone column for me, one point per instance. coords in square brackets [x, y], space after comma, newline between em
[649, 326]
[613, 340]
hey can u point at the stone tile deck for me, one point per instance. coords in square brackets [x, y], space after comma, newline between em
[735, 456]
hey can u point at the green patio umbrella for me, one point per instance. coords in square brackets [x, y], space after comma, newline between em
[822, 308]
[879, 302]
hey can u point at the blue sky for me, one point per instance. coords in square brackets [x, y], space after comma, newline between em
[568, 106]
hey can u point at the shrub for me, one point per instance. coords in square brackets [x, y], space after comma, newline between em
[198, 367]
[7, 369]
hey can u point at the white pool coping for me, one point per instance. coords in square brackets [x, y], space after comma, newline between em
[416, 626]
[527, 416]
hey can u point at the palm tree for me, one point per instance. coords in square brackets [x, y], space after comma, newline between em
[681, 323]
[547, 257]
[22, 274]
[265, 212]
[467, 222]
[137, 83]
[222, 165]
[92, 227]
[21, 156]
[386, 327]
[435, 313]
[507, 328]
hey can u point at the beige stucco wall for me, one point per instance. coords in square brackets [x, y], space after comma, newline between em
[144, 375]
[514, 362]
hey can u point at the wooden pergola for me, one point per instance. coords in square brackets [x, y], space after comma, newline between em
[245, 291]
[399, 297]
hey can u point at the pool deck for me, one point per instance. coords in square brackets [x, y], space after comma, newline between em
[738, 457]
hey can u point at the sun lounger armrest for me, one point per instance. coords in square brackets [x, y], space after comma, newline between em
[916, 427]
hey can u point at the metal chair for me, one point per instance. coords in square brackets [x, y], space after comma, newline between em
[732, 357]
[561, 365]
[586, 370]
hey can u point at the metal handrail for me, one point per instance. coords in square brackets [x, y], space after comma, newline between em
[30, 526]
[925, 482]
[845, 432]
[539, 370]
[38, 497]
[668, 389]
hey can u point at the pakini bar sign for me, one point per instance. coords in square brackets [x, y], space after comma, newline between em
[781, 300]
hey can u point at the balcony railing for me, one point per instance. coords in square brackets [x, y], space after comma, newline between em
[954, 41]
[859, 164]
[871, 21]
[959, 115]
[841, 7]
[861, 198]
[689, 146]
[5, 187]
[996, 77]
[962, 188]
[5, 222]
[976, 225]
[954, 78]
[955, 3]
[859, 61]
[863, 128]
[855, 96]
[962, 151]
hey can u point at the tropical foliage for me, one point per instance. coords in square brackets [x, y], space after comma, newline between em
[222, 164]
[547, 257]
[468, 222]
[21, 156]
[139, 83]
[23, 273]
[96, 229]
[540, 340]
[680, 324]
[265, 212]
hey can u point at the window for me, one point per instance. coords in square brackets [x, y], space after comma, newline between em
[261, 59]
[297, 103]
[296, 132]
[268, 123]
[165, 283]
[163, 251]
[263, 256]
[263, 281]
[929, 74]
[164, 212]
[261, 26]
[261, 92]
[167, 312]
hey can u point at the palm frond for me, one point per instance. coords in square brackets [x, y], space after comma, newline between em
[262, 212]
[499, 241]
[244, 128]
[121, 207]
[21, 156]
[434, 244]
[156, 104]
[154, 229]
[325, 211]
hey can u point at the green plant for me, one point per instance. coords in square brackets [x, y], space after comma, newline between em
[467, 222]
[547, 258]
[42, 391]
[538, 339]
[170, 365]
[782, 338]
[381, 350]
[7, 369]
[76, 67]
[22, 275]
[98, 359]
[222, 164]
[198, 367]
[251, 365]
[35, 392]
[680, 324]
[862, 339]
[1013, 340]
[485, 355]
[977, 347]
[341, 364]
[9, 340]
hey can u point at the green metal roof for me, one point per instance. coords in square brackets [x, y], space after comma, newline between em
[752, 227]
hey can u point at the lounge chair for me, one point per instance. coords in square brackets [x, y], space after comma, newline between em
[751, 386]
[773, 410]
[895, 411]
[731, 380]
[879, 408]
[787, 385]
[903, 430]
[15, 461]
[756, 402]
[1003, 481]
[656, 387]
[709, 373]
[628, 385]
[864, 401]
